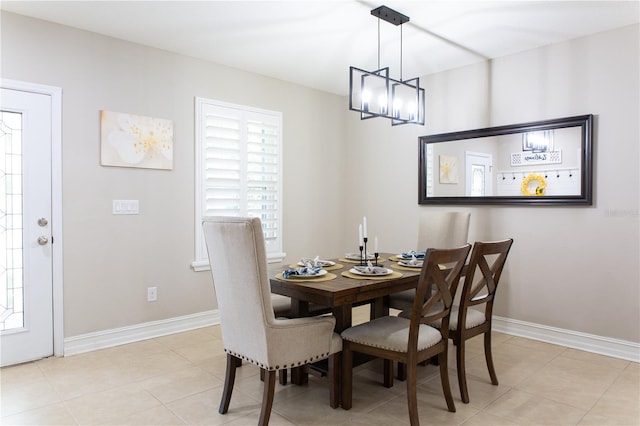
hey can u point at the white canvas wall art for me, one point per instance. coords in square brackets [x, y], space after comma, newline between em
[129, 140]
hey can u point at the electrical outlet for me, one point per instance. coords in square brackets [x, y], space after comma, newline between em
[152, 294]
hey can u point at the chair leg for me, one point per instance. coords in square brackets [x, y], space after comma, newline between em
[299, 376]
[402, 372]
[334, 376]
[462, 372]
[347, 376]
[444, 378]
[229, 380]
[282, 376]
[433, 360]
[412, 395]
[489, 357]
[387, 375]
[267, 397]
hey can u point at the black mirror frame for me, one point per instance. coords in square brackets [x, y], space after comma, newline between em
[585, 122]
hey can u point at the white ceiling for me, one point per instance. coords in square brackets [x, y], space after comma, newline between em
[313, 42]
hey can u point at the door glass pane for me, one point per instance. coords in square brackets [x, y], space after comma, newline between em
[11, 283]
[477, 180]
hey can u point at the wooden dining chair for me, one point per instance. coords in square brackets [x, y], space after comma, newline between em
[250, 330]
[408, 338]
[481, 278]
[436, 229]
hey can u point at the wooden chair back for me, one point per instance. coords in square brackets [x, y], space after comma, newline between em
[482, 275]
[437, 285]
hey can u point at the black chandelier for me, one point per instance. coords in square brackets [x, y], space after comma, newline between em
[375, 94]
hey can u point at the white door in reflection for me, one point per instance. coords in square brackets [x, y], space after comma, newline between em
[478, 172]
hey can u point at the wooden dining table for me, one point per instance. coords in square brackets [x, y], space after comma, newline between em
[342, 293]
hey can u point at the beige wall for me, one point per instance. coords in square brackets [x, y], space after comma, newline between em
[575, 268]
[572, 268]
[109, 261]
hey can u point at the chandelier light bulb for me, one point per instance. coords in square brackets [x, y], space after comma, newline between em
[382, 101]
[397, 106]
[366, 98]
[412, 111]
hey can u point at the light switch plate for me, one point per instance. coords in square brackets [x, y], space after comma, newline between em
[125, 207]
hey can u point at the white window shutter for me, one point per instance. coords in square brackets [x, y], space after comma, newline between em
[239, 169]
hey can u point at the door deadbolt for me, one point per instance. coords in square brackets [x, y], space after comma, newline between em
[43, 222]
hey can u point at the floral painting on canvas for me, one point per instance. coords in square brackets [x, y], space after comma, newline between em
[448, 169]
[129, 140]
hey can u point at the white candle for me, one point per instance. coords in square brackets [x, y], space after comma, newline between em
[360, 244]
[364, 225]
[375, 244]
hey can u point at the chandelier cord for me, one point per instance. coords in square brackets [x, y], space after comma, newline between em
[401, 52]
[378, 43]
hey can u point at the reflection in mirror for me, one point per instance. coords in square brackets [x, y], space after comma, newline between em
[546, 162]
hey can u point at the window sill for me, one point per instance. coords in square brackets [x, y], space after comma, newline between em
[203, 265]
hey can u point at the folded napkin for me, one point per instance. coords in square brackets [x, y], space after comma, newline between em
[414, 261]
[413, 253]
[304, 271]
[370, 269]
[314, 262]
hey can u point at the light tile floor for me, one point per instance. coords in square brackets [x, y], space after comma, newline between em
[177, 380]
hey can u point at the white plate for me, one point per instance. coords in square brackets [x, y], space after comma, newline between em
[356, 256]
[319, 274]
[323, 263]
[355, 271]
[409, 265]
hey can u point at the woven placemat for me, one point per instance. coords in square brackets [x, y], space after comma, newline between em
[326, 268]
[392, 275]
[327, 277]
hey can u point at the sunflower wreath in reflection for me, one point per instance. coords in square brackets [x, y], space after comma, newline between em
[540, 187]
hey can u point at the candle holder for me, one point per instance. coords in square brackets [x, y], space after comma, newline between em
[363, 258]
[376, 256]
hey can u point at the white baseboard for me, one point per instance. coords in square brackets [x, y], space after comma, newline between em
[120, 336]
[622, 349]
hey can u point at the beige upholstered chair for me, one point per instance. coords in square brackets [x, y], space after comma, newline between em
[436, 229]
[408, 338]
[480, 284]
[282, 309]
[250, 331]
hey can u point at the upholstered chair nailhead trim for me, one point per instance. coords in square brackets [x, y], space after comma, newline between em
[277, 367]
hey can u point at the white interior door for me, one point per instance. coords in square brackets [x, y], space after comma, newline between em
[26, 268]
[479, 174]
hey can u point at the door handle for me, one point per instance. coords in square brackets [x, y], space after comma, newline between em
[42, 240]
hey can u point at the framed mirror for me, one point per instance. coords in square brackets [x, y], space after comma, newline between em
[540, 163]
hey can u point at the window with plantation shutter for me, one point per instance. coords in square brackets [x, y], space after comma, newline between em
[238, 170]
